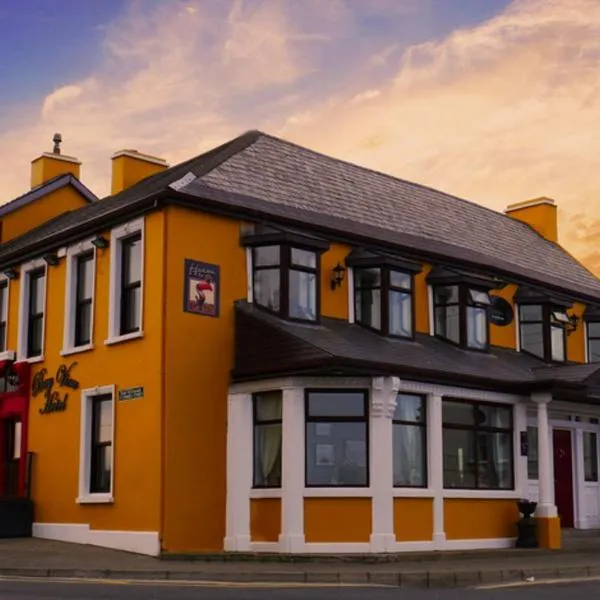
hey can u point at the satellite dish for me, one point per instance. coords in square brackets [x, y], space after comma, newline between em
[500, 313]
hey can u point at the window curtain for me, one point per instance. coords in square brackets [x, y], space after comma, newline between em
[270, 440]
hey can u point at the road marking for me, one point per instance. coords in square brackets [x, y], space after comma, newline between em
[519, 584]
[184, 583]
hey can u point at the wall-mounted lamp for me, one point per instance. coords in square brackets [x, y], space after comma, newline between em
[52, 259]
[100, 242]
[572, 324]
[339, 271]
[11, 274]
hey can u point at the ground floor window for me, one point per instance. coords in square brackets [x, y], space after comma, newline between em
[410, 441]
[337, 451]
[477, 445]
[532, 453]
[590, 456]
[267, 408]
[97, 443]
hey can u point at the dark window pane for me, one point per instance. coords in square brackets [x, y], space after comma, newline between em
[36, 293]
[447, 322]
[458, 413]
[34, 336]
[590, 455]
[266, 256]
[2, 336]
[532, 453]
[103, 421]
[338, 458]
[459, 458]
[267, 288]
[532, 338]
[85, 277]
[132, 259]
[304, 258]
[410, 455]
[367, 278]
[336, 404]
[594, 350]
[83, 323]
[530, 312]
[446, 294]
[400, 314]
[368, 307]
[401, 280]
[593, 329]
[410, 407]
[101, 444]
[494, 460]
[476, 327]
[557, 339]
[130, 316]
[303, 295]
[493, 416]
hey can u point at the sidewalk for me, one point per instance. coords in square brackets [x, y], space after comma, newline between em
[43, 558]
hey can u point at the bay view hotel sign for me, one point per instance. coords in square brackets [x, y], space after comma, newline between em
[55, 389]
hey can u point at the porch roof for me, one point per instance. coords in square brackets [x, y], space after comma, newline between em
[267, 346]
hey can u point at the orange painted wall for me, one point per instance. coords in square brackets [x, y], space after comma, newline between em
[421, 300]
[337, 519]
[479, 519]
[35, 213]
[334, 303]
[505, 336]
[576, 339]
[413, 519]
[199, 355]
[54, 438]
[265, 519]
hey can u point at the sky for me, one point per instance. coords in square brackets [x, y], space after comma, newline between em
[496, 101]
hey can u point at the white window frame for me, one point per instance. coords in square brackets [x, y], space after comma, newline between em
[117, 235]
[72, 254]
[26, 270]
[4, 351]
[85, 447]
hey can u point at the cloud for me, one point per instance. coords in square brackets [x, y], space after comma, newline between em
[500, 112]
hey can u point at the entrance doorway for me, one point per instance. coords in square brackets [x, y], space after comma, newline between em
[563, 476]
[12, 458]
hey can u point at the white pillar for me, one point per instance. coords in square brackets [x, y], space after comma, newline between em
[291, 538]
[581, 521]
[435, 466]
[546, 507]
[239, 472]
[384, 391]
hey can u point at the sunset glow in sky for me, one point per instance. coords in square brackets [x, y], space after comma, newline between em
[496, 101]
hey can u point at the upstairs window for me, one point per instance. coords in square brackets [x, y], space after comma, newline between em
[383, 300]
[593, 337]
[460, 315]
[543, 331]
[285, 280]
[131, 284]
[35, 312]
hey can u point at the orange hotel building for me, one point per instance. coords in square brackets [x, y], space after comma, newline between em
[268, 349]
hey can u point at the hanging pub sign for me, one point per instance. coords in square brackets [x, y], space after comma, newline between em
[55, 399]
[201, 293]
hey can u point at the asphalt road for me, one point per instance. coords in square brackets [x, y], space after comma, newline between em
[52, 590]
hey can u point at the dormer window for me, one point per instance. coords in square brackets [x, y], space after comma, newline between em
[285, 273]
[461, 315]
[383, 292]
[461, 302]
[592, 324]
[543, 325]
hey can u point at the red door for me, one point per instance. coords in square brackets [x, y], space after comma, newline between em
[563, 476]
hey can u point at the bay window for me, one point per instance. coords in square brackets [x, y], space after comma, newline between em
[337, 445]
[477, 445]
[543, 331]
[593, 340]
[460, 315]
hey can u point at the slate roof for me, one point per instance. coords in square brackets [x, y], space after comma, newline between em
[264, 177]
[266, 345]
